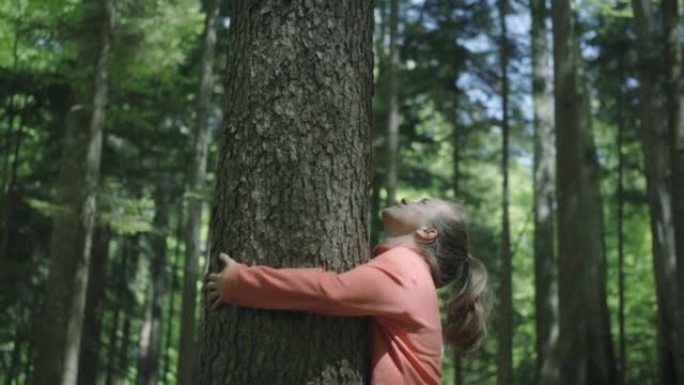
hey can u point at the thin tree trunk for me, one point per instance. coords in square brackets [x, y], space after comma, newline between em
[11, 195]
[546, 281]
[620, 222]
[375, 219]
[28, 366]
[601, 365]
[129, 310]
[458, 370]
[172, 296]
[393, 113]
[505, 332]
[457, 144]
[94, 308]
[117, 308]
[572, 340]
[15, 359]
[308, 104]
[4, 187]
[654, 132]
[150, 339]
[58, 349]
[187, 357]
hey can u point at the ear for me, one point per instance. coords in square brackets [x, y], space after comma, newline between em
[426, 234]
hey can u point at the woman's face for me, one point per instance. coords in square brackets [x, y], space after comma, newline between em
[405, 217]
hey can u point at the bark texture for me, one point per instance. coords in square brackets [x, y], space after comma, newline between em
[546, 280]
[58, 348]
[293, 180]
[187, 357]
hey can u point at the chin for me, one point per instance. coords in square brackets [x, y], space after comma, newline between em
[381, 214]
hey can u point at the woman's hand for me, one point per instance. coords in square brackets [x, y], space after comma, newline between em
[213, 284]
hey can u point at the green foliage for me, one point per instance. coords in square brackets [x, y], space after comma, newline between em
[450, 144]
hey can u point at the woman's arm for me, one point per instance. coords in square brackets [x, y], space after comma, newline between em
[374, 288]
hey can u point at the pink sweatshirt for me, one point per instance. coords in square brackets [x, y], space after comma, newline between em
[395, 288]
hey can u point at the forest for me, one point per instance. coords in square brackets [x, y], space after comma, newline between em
[140, 139]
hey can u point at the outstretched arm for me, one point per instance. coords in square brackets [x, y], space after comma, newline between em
[374, 288]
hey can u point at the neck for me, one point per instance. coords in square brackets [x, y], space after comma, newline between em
[401, 239]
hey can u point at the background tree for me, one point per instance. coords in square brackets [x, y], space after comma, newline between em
[60, 342]
[584, 342]
[187, 359]
[505, 348]
[654, 132]
[546, 285]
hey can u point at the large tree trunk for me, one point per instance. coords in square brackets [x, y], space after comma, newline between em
[505, 332]
[94, 307]
[654, 138]
[150, 336]
[187, 357]
[58, 348]
[545, 284]
[393, 110]
[292, 185]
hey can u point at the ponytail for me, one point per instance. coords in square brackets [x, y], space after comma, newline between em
[450, 263]
[468, 308]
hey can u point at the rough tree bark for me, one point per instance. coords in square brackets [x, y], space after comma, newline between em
[546, 280]
[187, 357]
[654, 139]
[292, 185]
[58, 348]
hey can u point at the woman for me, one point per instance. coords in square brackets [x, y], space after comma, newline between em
[426, 248]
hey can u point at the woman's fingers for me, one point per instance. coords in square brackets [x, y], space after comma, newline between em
[213, 292]
[216, 304]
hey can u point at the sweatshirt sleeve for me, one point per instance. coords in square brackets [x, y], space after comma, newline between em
[374, 288]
